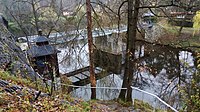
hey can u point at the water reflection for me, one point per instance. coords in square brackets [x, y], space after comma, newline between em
[104, 94]
[74, 55]
[162, 70]
[158, 69]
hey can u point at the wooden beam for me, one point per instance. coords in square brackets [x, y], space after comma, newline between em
[77, 71]
[87, 80]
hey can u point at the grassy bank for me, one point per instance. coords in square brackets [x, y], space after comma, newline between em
[188, 38]
[24, 101]
[59, 101]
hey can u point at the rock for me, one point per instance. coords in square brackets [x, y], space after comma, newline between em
[10, 88]
[12, 58]
[114, 106]
[3, 83]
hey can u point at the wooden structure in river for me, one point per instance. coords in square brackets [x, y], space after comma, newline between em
[108, 58]
[43, 58]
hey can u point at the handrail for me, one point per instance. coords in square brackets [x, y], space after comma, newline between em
[91, 87]
[125, 88]
[155, 97]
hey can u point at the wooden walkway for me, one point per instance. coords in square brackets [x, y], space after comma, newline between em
[73, 73]
[99, 75]
[87, 80]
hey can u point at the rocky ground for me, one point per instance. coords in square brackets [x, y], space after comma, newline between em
[15, 98]
[112, 106]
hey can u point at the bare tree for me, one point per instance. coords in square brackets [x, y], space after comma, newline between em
[130, 49]
[90, 44]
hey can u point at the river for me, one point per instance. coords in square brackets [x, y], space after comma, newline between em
[159, 70]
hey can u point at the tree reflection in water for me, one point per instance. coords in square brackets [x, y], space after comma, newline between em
[158, 69]
[162, 70]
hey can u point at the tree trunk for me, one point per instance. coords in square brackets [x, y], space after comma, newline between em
[35, 16]
[182, 23]
[130, 50]
[91, 55]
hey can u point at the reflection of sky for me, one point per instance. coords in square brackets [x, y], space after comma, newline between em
[74, 58]
[78, 58]
[187, 58]
[161, 85]
[187, 68]
[106, 94]
[187, 63]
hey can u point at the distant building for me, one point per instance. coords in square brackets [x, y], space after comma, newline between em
[148, 17]
[178, 17]
[190, 15]
[147, 20]
[68, 13]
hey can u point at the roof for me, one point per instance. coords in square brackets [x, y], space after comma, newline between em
[41, 39]
[182, 13]
[37, 51]
[149, 14]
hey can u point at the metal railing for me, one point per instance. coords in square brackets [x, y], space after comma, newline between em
[147, 98]
[153, 100]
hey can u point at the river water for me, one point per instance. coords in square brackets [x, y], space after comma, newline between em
[159, 70]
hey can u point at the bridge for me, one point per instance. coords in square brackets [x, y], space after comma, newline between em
[75, 35]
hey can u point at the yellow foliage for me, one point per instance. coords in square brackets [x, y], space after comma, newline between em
[196, 21]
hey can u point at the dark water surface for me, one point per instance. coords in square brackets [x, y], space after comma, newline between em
[158, 69]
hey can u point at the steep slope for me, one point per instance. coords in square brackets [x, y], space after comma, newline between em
[12, 58]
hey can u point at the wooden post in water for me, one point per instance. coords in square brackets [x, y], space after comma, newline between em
[90, 46]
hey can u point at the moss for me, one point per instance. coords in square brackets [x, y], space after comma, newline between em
[145, 107]
[124, 103]
[86, 106]
[22, 81]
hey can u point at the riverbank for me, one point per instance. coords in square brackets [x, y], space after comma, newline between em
[188, 38]
[21, 95]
